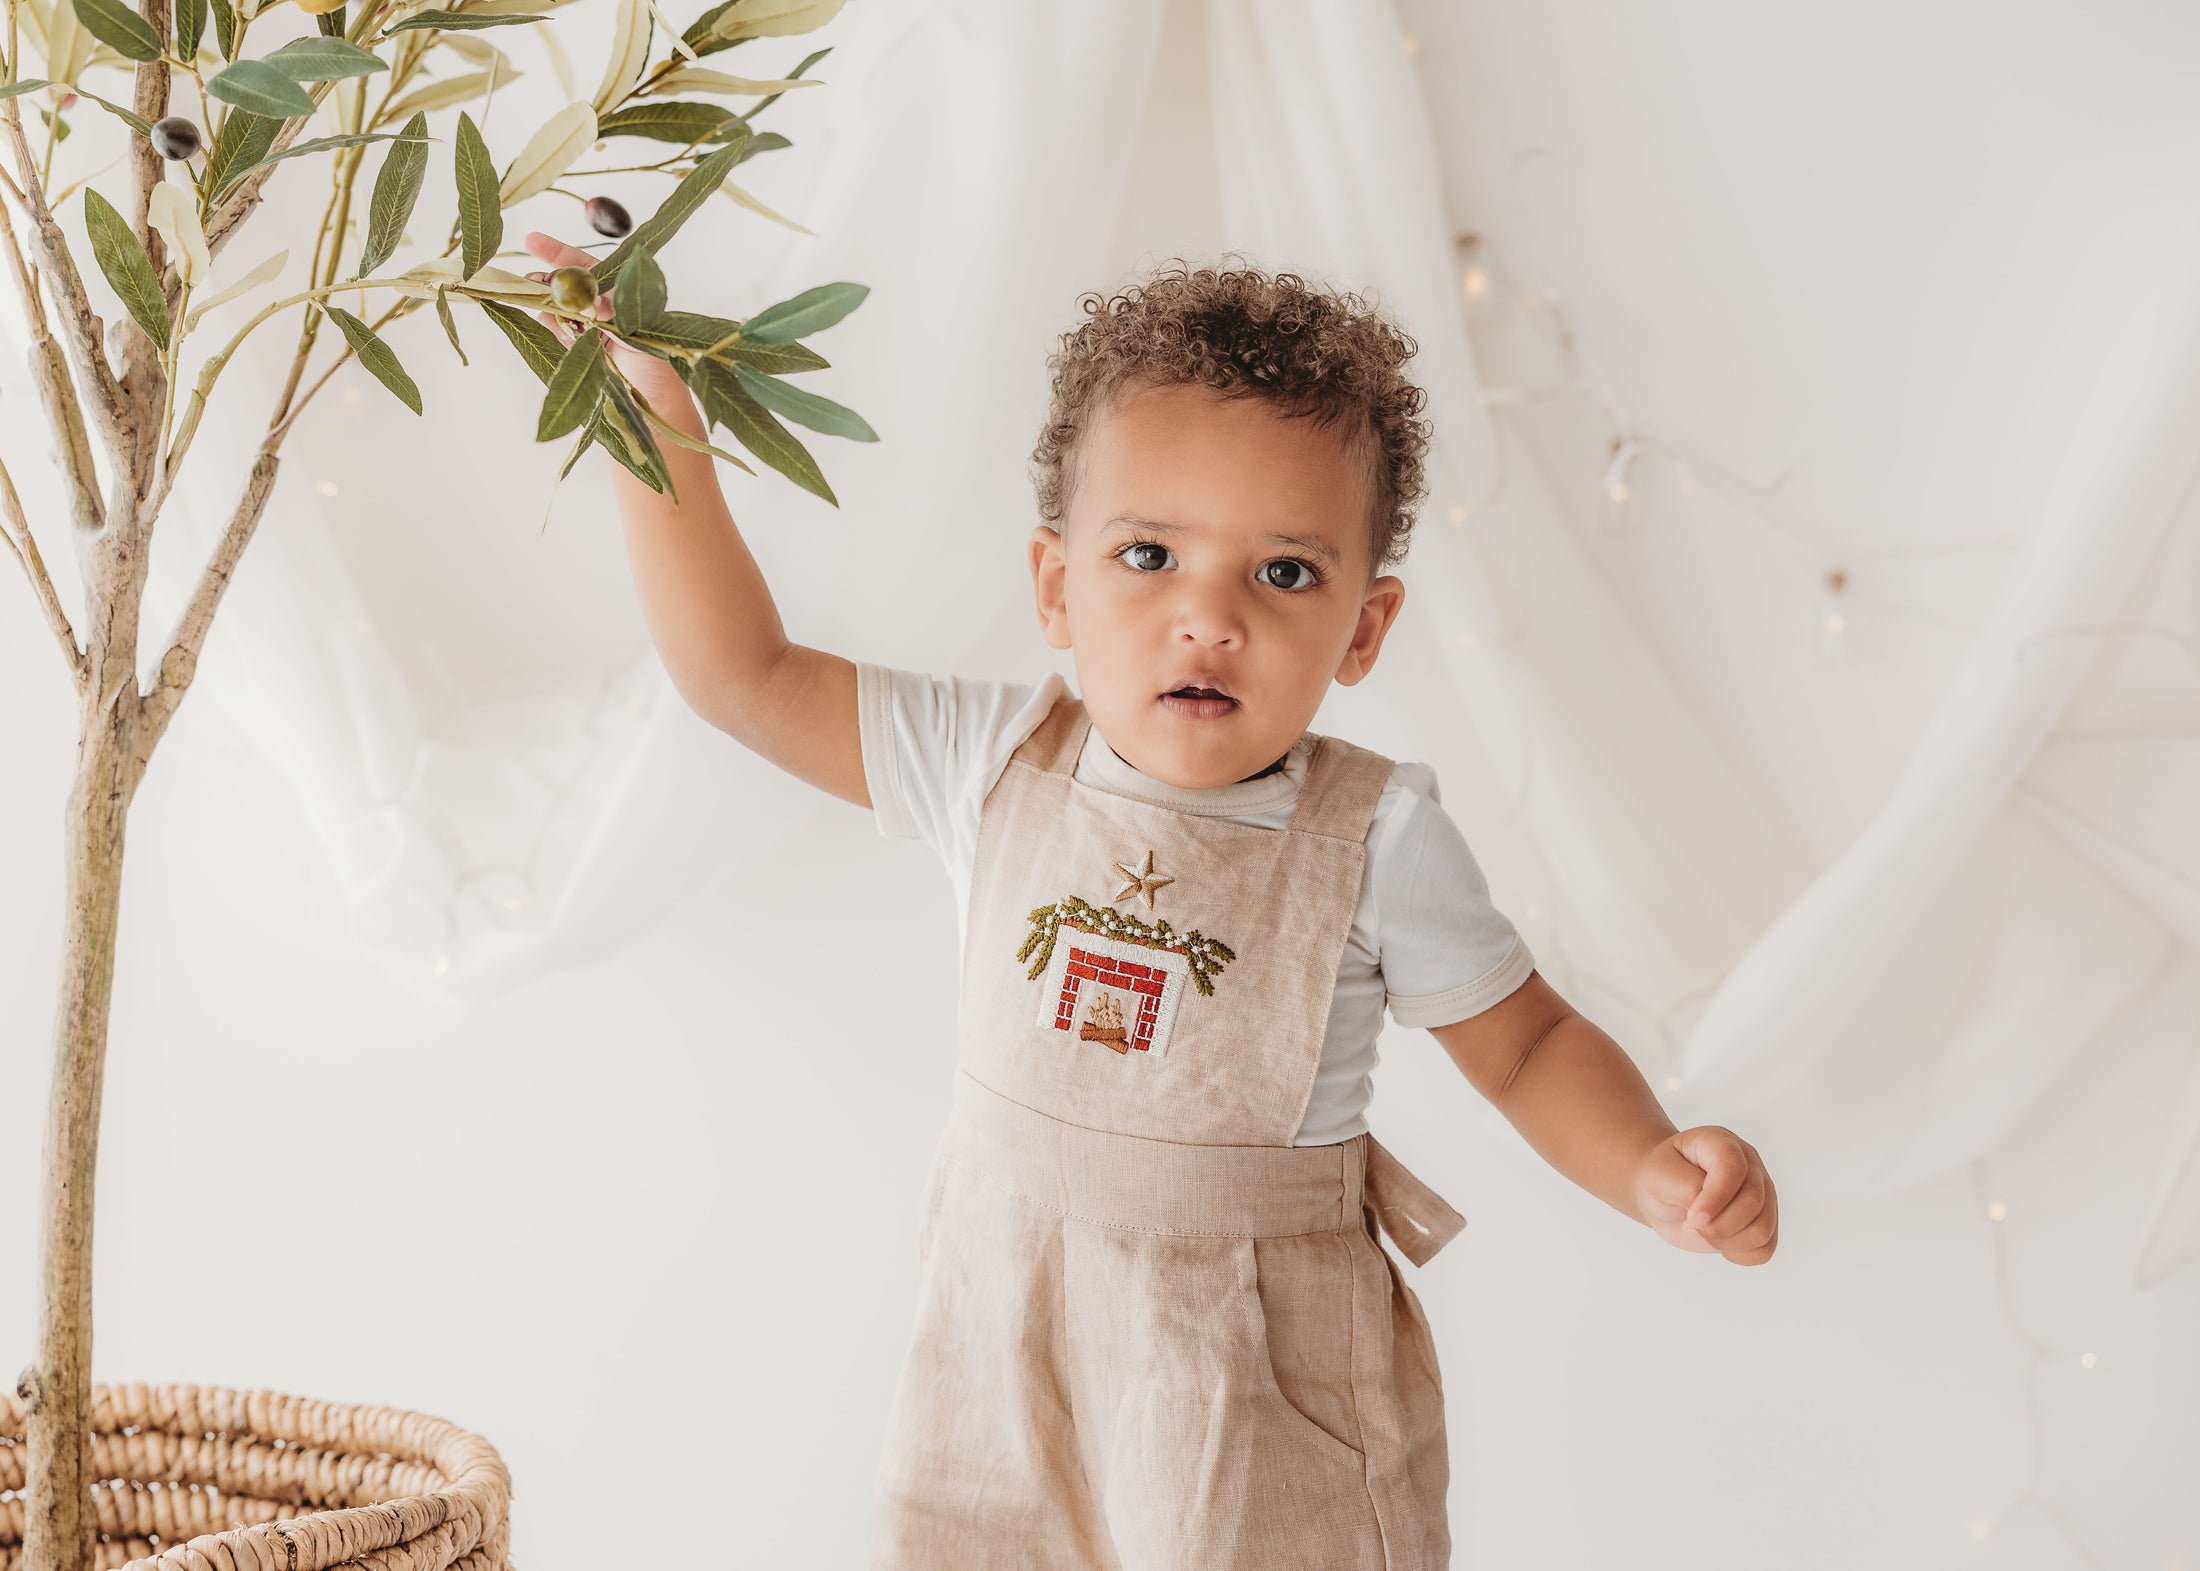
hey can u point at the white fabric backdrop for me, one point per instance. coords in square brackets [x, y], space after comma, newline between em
[503, 785]
[471, 846]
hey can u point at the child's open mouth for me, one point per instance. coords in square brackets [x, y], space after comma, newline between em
[1198, 703]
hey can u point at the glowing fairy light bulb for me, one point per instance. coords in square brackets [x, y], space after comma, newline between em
[1616, 490]
[1998, 1211]
[1472, 260]
[1836, 632]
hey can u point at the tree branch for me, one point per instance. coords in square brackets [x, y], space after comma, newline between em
[50, 369]
[144, 371]
[80, 323]
[25, 548]
[181, 662]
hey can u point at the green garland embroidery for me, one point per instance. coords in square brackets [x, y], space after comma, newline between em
[1207, 955]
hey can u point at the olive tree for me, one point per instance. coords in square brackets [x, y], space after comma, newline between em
[220, 99]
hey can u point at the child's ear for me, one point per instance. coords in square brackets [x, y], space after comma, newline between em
[1048, 570]
[1385, 598]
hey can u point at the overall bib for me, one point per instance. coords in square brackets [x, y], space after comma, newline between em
[1153, 1334]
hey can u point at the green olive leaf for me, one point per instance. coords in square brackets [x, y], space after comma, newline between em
[480, 214]
[450, 324]
[119, 28]
[190, 27]
[804, 407]
[682, 122]
[128, 270]
[455, 21]
[318, 144]
[537, 345]
[575, 388]
[129, 117]
[626, 437]
[728, 403]
[811, 311]
[376, 356]
[260, 89]
[241, 143]
[396, 189]
[318, 59]
[777, 359]
[638, 298]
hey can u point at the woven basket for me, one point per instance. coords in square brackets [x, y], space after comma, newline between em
[202, 1479]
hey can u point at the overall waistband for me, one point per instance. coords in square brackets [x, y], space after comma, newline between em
[1156, 1186]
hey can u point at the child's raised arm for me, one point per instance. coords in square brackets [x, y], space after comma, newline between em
[709, 610]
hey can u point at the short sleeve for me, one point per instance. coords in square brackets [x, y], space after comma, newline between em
[933, 747]
[1446, 952]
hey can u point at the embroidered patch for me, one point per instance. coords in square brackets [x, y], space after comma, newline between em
[1124, 975]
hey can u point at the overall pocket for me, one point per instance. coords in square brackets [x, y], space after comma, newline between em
[1301, 1304]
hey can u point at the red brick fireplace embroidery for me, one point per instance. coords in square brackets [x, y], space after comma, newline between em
[1144, 982]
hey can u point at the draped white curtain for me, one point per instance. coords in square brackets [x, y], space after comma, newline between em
[2028, 889]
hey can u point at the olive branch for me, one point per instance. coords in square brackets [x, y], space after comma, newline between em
[215, 110]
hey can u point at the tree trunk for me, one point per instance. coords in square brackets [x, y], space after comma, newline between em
[59, 1527]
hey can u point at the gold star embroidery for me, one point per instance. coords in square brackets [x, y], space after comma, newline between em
[1141, 880]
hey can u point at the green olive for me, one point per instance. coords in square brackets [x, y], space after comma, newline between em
[573, 290]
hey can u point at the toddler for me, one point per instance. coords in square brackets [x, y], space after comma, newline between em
[1157, 1327]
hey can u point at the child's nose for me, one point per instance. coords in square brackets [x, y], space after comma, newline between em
[1211, 617]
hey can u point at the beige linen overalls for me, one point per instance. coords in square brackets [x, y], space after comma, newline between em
[1151, 1332]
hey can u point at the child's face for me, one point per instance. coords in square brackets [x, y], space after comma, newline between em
[1213, 575]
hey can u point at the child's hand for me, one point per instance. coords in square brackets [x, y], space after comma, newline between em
[653, 377]
[1706, 1189]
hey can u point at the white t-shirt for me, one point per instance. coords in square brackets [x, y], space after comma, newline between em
[1425, 938]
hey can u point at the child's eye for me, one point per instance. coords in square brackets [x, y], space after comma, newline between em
[1146, 557]
[1288, 572]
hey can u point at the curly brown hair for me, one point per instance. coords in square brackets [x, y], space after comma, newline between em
[1316, 352]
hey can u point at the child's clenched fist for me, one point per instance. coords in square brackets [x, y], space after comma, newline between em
[1707, 1189]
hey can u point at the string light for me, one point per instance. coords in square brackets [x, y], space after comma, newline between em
[1615, 474]
[1486, 283]
[2039, 1356]
[326, 487]
[1835, 640]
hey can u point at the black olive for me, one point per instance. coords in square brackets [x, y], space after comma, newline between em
[175, 138]
[608, 218]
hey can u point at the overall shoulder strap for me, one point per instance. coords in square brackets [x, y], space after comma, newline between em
[1343, 784]
[1054, 744]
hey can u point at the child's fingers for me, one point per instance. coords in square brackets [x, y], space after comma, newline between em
[1669, 1181]
[556, 252]
[1747, 1205]
[1725, 1164]
[1754, 1243]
